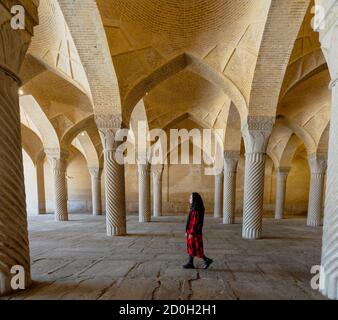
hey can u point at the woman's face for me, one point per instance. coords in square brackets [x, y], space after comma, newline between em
[190, 199]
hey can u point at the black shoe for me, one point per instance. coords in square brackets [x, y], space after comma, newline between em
[207, 263]
[189, 266]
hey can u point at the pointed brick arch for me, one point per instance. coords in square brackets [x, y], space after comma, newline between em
[94, 54]
[74, 130]
[282, 26]
[173, 67]
[308, 140]
[31, 143]
[38, 117]
[290, 151]
[323, 143]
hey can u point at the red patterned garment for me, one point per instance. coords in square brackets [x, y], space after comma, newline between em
[194, 228]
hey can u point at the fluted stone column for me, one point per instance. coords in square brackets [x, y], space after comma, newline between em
[14, 243]
[281, 177]
[114, 175]
[231, 159]
[59, 165]
[14, 248]
[40, 176]
[318, 165]
[256, 135]
[144, 192]
[95, 174]
[218, 196]
[157, 173]
[329, 262]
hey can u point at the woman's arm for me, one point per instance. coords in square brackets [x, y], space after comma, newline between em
[194, 224]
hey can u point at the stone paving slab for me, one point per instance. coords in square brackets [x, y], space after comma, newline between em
[76, 260]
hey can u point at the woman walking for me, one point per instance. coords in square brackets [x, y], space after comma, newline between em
[194, 232]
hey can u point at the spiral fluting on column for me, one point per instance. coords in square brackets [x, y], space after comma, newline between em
[96, 191]
[116, 222]
[329, 261]
[231, 159]
[14, 245]
[318, 165]
[229, 194]
[144, 193]
[115, 196]
[60, 187]
[253, 195]
[315, 200]
[218, 196]
[39, 167]
[281, 177]
[256, 135]
[157, 172]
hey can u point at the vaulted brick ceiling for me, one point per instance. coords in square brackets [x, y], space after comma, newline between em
[143, 35]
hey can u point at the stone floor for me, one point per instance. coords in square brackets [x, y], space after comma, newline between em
[75, 260]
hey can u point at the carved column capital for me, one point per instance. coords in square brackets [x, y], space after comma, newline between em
[282, 172]
[231, 154]
[219, 175]
[143, 169]
[318, 163]
[108, 126]
[95, 173]
[231, 159]
[57, 160]
[113, 121]
[57, 153]
[142, 157]
[157, 170]
[256, 134]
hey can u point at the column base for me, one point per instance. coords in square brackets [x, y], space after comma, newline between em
[325, 293]
[228, 221]
[144, 219]
[252, 234]
[116, 231]
[313, 223]
[61, 219]
[330, 288]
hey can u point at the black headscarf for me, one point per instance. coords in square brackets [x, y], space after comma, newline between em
[197, 205]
